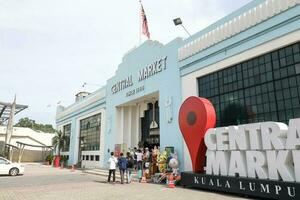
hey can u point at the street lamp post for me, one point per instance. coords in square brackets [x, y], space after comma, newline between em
[177, 22]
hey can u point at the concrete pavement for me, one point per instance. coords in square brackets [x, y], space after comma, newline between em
[48, 183]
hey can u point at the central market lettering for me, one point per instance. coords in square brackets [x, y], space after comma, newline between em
[266, 150]
[153, 69]
[121, 85]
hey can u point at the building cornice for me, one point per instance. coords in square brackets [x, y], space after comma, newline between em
[236, 25]
[93, 98]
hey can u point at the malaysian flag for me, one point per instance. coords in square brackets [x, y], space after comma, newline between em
[145, 29]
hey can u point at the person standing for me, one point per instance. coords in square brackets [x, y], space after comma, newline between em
[135, 158]
[146, 159]
[139, 159]
[130, 166]
[122, 162]
[155, 153]
[112, 161]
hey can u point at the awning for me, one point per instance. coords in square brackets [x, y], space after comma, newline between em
[5, 109]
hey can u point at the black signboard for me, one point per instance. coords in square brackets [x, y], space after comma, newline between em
[244, 186]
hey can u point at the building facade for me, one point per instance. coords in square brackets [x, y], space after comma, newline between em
[84, 123]
[247, 64]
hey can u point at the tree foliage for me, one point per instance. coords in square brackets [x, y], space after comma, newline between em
[59, 141]
[29, 123]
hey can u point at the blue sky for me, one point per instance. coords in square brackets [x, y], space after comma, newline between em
[49, 48]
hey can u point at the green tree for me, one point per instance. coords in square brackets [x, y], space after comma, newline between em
[59, 141]
[25, 122]
[29, 123]
[48, 128]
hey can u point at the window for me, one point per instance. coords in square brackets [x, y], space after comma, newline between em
[297, 68]
[97, 158]
[90, 129]
[2, 161]
[87, 157]
[67, 133]
[92, 158]
[261, 89]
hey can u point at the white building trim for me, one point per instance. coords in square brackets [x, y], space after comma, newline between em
[246, 20]
[89, 100]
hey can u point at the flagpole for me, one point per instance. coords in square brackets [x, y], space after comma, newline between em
[140, 25]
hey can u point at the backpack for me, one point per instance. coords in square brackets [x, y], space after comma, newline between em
[130, 162]
[122, 163]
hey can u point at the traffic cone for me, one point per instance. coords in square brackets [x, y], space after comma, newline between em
[72, 168]
[171, 183]
[143, 178]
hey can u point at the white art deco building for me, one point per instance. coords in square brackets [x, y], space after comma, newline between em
[247, 64]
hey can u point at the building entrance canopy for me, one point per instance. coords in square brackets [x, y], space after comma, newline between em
[5, 110]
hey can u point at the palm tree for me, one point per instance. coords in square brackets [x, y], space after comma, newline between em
[59, 141]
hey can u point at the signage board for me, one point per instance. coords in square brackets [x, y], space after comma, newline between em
[151, 70]
[243, 186]
[259, 159]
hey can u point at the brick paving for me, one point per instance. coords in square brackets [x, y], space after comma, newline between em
[47, 183]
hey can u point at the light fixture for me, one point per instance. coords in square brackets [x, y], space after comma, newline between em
[153, 124]
[177, 22]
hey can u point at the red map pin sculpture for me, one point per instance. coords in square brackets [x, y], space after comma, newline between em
[196, 116]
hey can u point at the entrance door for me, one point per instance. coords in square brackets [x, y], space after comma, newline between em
[150, 136]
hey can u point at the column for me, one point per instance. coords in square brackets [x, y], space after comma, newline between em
[74, 142]
[102, 137]
[134, 126]
[127, 126]
[120, 125]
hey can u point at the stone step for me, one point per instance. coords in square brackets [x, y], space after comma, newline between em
[106, 170]
[104, 173]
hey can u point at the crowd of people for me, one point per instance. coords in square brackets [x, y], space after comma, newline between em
[144, 161]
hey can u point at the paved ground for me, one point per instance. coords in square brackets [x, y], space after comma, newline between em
[47, 183]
